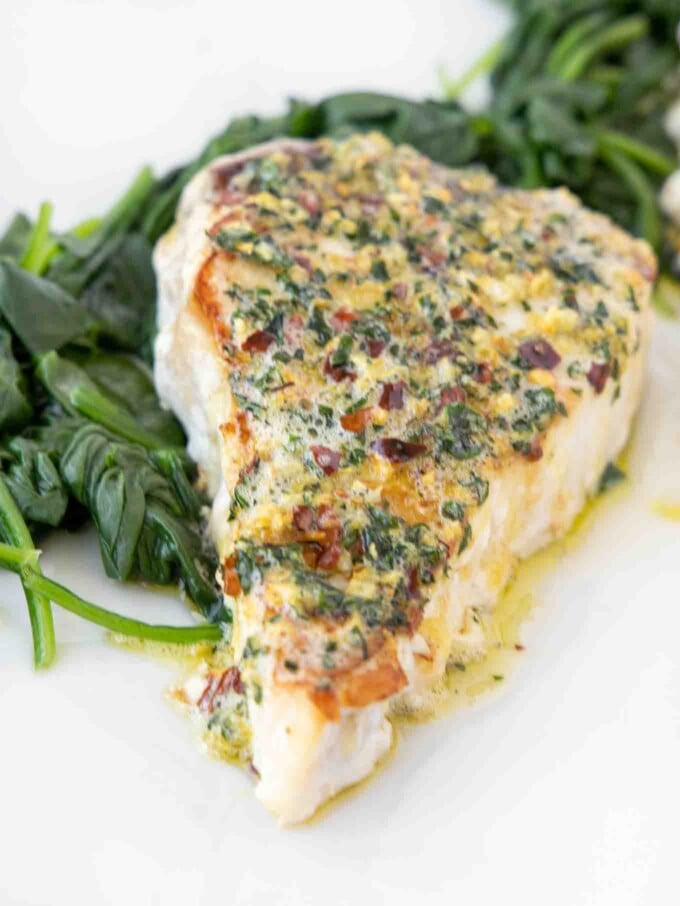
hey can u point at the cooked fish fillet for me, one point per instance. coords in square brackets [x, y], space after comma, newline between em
[398, 379]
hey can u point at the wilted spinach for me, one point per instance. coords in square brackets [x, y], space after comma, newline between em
[147, 514]
[15, 406]
[15, 238]
[41, 314]
[33, 478]
[79, 394]
[121, 296]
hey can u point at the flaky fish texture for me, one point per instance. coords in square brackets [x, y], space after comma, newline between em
[398, 379]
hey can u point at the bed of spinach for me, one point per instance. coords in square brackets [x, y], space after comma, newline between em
[579, 90]
[83, 433]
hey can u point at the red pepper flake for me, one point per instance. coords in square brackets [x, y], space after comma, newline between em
[310, 554]
[304, 262]
[328, 558]
[326, 459]
[519, 647]
[392, 396]
[230, 579]
[304, 518]
[483, 373]
[226, 196]
[259, 341]
[396, 450]
[437, 350]
[432, 258]
[375, 347]
[223, 175]
[219, 684]
[540, 354]
[535, 451]
[321, 530]
[293, 329]
[357, 421]
[342, 318]
[597, 376]
[457, 312]
[451, 395]
[338, 374]
[370, 202]
[413, 583]
[309, 201]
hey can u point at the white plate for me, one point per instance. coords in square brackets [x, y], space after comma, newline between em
[560, 788]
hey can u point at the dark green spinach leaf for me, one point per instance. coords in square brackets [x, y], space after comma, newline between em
[146, 512]
[40, 313]
[15, 406]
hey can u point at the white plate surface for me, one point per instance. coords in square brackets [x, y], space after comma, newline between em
[561, 788]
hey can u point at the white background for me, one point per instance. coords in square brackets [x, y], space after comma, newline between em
[561, 789]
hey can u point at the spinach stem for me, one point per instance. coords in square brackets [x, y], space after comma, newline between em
[615, 36]
[98, 408]
[453, 88]
[641, 152]
[182, 635]
[86, 227]
[16, 532]
[76, 391]
[40, 245]
[118, 216]
[571, 39]
[649, 221]
[15, 558]
[81, 231]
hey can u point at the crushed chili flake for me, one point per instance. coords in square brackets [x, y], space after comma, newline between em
[284, 386]
[357, 421]
[392, 396]
[396, 450]
[431, 258]
[259, 341]
[375, 348]
[230, 579]
[329, 557]
[413, 583]
[338, 373]
[597, 376]
[309, 201]
[342, 318]
[437, 350]
[231, 198]
[540, 354]
[219, 684]
[483, 373]
[223, 175]
[534, 451]
[326, 459]
[304, 263]
[451, 395]
[304, 518]
[293, 330]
